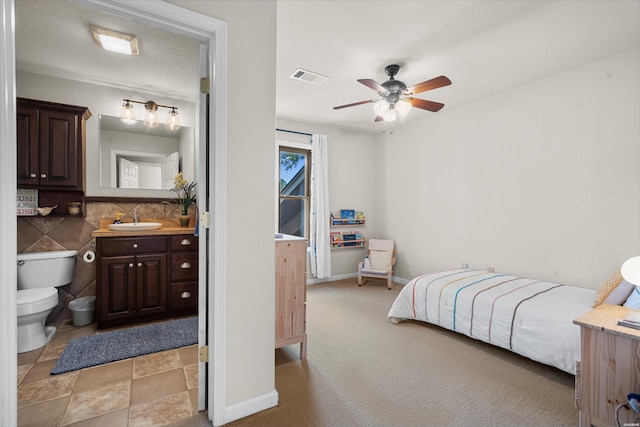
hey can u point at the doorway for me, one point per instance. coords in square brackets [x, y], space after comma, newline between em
[212, 35]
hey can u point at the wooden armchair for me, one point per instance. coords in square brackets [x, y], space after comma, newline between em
[379, 262]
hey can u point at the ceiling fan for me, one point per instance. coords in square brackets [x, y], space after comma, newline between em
[396, 96]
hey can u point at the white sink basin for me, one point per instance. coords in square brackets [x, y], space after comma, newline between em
[131, 226]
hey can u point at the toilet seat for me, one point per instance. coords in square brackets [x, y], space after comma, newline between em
[36, 300]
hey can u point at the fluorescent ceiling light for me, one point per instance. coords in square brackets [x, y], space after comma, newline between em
[115, 41]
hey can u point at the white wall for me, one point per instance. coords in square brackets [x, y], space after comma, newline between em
[350, 181]
[251, 250]
[542, 181]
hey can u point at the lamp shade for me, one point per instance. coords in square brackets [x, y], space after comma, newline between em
[630, 270]
[128, 114]
[403, 107]
[173, 120]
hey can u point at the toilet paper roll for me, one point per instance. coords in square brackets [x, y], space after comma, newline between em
[89, 257]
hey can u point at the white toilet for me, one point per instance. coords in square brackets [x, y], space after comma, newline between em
[39, 274]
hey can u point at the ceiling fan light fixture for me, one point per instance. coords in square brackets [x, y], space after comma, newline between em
[403, 107]
[390, 115]
[115, 41]
[381, 107]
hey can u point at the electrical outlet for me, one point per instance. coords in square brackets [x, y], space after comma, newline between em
[491, 269]
[465, 265]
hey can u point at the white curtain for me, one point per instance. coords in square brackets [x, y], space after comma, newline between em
[319, 242]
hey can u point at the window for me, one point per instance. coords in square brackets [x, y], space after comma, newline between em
[293, 204]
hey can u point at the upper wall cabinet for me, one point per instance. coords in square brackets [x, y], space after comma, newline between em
[51, 139]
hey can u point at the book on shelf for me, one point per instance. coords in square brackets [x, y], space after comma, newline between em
[347, 213]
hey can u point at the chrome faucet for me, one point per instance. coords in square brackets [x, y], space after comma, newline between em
[135, 216]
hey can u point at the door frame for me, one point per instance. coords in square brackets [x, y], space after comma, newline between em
[210, 32]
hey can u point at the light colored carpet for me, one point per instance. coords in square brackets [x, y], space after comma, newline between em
[364, 371]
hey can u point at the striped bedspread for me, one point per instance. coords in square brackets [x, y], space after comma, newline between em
[529, 317]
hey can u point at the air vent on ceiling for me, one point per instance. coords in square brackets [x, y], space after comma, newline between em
[309, 77]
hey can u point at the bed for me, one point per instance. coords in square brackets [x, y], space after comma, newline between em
[529, 317]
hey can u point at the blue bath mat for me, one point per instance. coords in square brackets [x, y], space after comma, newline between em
[122, 344]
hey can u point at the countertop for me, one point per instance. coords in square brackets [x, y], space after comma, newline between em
[170, 226]
[279, 237]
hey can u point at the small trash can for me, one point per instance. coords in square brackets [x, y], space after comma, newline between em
[82, 310]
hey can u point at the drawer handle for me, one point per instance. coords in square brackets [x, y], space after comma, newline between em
[139, 264]
[185, 242]
[33, 175]
[185, 265]
[130, 265]
[185, 295]
[135, 246]
[43, 175]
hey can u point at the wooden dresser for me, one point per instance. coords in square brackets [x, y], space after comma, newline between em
[291, 292]
[609, 367]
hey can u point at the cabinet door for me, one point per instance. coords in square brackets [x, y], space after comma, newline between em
[60, 165]
[28, 146]
[116, 290]
[290, 289]
[151, 284]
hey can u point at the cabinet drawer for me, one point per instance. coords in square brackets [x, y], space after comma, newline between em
[131, 245]
[183, 296]
[184, 243]
[184, 266]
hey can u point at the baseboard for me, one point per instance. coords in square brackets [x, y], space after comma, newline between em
[251, 406]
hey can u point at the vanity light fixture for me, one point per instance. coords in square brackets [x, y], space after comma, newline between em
[151, 120]
[115, 41]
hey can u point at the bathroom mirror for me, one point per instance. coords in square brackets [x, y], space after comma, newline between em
[137, 157]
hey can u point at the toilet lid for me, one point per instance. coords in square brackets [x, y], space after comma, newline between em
[26, 296]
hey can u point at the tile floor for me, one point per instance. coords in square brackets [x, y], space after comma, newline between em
[156, 390]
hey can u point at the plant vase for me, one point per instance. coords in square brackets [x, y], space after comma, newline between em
[184, 220]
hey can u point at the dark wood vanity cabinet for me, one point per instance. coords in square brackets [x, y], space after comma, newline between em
[131, 279]
[183, 276]
[50, 140]
[145, 278]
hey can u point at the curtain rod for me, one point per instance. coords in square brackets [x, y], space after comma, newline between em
[293, 131]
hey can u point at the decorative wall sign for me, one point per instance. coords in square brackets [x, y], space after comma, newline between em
[26, 202]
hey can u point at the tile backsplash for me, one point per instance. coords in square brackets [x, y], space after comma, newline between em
[51, 233]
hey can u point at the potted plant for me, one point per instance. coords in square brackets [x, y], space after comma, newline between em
[186, 192]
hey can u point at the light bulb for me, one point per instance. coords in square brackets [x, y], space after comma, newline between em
[151, 119]
[403, 107]
[381, 107]
[128, 114]
[173, 120]
[390, 115]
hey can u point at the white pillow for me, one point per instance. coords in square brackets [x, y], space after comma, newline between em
[380, 260]
[620, 293]
[634, 299]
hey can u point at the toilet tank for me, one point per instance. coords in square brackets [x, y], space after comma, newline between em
[45, 269]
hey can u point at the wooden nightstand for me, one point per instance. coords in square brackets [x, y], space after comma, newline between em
[609, 368]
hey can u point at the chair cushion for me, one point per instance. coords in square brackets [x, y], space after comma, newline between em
[380, 260]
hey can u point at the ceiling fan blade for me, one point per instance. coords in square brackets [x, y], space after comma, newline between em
[425, 105]
[373, 85]
[354, 104]
[378, 119]
[428, 85]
